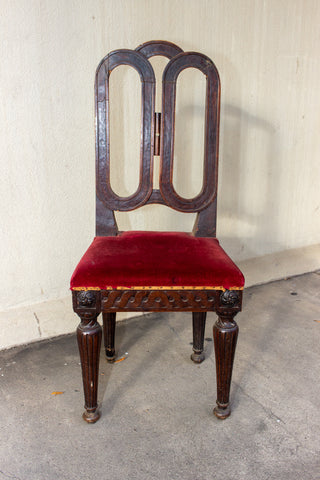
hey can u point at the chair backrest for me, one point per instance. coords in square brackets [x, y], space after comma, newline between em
[157, 137]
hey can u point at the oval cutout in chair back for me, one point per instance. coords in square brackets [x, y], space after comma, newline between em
[105, 192]
[169, 81]
[189, 133]
[125, 130]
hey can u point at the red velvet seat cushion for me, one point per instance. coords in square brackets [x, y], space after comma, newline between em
[155, 259]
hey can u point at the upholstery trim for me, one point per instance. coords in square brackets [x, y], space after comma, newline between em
[156, 288]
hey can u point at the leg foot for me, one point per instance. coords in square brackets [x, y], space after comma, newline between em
[91, 416]
[199, 325]
[110, 358]
[225, 334]
[197, 357]
[109, 327]
[222, 412]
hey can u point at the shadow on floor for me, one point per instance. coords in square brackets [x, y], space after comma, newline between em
[156, 405]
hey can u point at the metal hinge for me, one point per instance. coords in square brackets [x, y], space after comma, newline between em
[157, 129]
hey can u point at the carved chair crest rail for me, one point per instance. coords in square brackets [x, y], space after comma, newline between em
[156, 271]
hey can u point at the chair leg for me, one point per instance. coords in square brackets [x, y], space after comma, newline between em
[225, 334]
[109, 327]
[199, 325]
[89, 342]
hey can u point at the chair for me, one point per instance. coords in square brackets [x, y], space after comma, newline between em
[151, 271]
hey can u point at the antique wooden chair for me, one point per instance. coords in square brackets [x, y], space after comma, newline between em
[156, 271]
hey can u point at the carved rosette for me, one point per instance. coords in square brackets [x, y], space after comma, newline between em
[229, 303]
[230, 298]
[86, 303]
[86, 299]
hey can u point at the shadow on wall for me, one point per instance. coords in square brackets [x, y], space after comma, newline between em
[248, 184]
[248, 189]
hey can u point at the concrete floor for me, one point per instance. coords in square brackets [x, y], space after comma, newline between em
[157, 420]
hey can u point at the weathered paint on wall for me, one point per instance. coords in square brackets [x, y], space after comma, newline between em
[267, 53]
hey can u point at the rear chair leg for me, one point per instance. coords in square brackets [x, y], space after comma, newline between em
[109, 327]
[199, 325]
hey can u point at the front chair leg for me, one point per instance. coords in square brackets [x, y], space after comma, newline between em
[225, 334]
[89, 342]
[109, 327]
[199, 325]
[87, 305]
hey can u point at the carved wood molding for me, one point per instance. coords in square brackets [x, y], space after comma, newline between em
[93, 302]
[159, 300]
[88, 304]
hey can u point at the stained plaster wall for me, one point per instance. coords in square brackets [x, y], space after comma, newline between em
[267, 53]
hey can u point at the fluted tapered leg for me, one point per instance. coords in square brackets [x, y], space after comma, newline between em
[89, 335]
[109, 328]
[199, 325]
[225, 334]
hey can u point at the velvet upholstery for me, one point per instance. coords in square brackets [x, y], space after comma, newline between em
[156, 259]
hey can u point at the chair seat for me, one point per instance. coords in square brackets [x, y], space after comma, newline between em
[150, 260]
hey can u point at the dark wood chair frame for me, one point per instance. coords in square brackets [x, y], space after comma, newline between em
[157, 138]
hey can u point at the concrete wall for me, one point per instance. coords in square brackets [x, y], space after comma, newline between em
[267, 53]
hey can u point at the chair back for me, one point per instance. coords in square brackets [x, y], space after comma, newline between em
[157, 137]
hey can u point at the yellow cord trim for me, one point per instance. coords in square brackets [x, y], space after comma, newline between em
[157, 288]
[85, 288]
